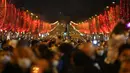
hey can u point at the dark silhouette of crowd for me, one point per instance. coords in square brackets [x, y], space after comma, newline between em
[56, 55]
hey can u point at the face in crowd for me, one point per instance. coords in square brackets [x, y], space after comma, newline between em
[23, 54]
[124, 58]
[125, 67]
[124, 53]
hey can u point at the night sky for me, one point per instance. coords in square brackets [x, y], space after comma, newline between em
[52, 10]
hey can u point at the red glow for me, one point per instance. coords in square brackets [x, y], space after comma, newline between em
[18, 20]
[103, 23]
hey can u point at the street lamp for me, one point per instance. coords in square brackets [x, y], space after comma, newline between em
[27, 11]
[32, 14]
[36, 16]
[113, 2]
[107, 7]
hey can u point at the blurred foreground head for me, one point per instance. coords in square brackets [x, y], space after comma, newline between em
[124, 53]
[23, 50]
[119, 34]
[88, 49]
[34, 43]
[125, 67]
[120, 28]
[5, 56]
[23, 54]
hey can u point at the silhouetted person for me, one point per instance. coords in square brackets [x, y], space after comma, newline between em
[85, 60]
[65, 61]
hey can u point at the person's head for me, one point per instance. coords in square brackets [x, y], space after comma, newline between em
[34, 43]
[6, 53]
[4, 43]
[100, 51]
[119, 34]
[51, 43]
[125, 67]
[120, 28]
[23, 49]
[118, 37]
[23, 54]
[13, 43]
[124, 52]
[8, 49]
[88, 49]
[5, 57]
[43, 52]
[66, 48]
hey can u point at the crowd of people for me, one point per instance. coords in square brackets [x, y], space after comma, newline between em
[56, 55]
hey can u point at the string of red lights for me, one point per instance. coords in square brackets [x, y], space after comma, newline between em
[21, 21]
[125, 9]
[102, 23]
[13, 19]
[105, 22]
